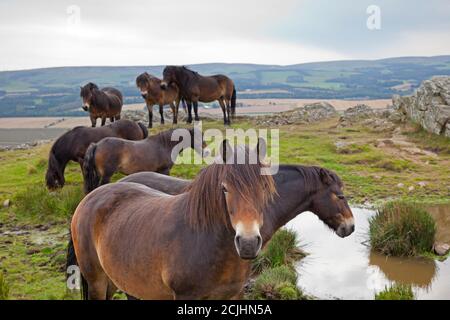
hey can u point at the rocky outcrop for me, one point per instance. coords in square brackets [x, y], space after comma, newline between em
[377, 120]
[307, 114]
[429, 106]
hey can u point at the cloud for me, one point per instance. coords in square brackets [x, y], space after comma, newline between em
[43, 33]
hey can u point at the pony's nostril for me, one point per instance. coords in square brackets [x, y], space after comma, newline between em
[237, 240]
[258, 241]
[352, 228]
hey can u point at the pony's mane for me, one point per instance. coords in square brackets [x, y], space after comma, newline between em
[187, 69]
[315, 177]
[206, 201]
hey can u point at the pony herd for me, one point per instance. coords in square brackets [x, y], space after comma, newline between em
[153, 236]
[178, 84]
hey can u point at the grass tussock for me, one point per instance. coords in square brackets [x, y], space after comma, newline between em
[396, 292]
[283, 249]
[4, 287]
[279, 283]
[402, 229]
[37, 201]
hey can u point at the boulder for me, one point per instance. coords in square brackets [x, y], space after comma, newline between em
[6, 203]
[429, 106]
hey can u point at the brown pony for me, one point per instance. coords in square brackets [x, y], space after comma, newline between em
[195, 87]
[112, 155]
[151, 245]
[72, 146]
[104, 103]
[151, 91]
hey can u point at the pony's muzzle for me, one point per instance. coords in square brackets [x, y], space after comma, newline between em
[144, 95]
[248, 247]
[85, 108]
[346, 228]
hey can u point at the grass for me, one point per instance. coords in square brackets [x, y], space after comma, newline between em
[4, 287]
[33, 258]
[279, 283]
[283, 249]
[402, 228]
[396, 292]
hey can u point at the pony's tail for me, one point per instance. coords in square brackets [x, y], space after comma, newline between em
[91, 178]
[184, 105]
[233, 103]
[144, 129]
[54, 170]
[72, 261]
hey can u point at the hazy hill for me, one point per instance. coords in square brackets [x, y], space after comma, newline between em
[55, 91]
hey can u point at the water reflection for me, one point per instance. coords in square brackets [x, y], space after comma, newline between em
[416, 272]
[345, 268]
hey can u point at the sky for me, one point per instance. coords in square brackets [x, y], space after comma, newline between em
[51, 33]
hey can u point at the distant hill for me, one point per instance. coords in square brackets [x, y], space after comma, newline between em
[55, 91]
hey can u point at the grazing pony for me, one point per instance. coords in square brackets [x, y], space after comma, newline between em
[195, 87]
[152, 245]
[101, 103]
[73, 144]
[151, 91]
[112, 155]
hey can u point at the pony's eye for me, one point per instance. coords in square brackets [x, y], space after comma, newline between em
[224, 189]
[340, 196]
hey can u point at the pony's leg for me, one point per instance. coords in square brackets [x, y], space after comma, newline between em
[222, 105]
[161, 113]
[106, 178]
[228, 104]
[189, 106]
[93, 121]
[174, 112]
[110, 290]
[118, 117]
[97, 289]
[150, 116]
[196, 111]
[111, 119]
[103, 120]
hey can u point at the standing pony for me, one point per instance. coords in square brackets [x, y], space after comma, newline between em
[195, 87]
[104, 103]
[73, 144]
[112, 155]
[151, 245]
[151, 91]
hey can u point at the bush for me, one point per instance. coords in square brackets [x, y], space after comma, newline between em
[281, 250]
[4, 288]
[402, 229]
[396, 292]
[275, 284]
[37, 201]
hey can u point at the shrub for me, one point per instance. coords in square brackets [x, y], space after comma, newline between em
[4, 288]
[396, 292]
[282, 249]
[276, 283]
[402, 229]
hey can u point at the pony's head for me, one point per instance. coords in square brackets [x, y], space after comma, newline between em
[86, 94]
[144, 82]
[232, 194]
[330, 204]
[54, 177]
[169, 76]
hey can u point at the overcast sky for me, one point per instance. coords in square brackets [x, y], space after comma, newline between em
[48, 33]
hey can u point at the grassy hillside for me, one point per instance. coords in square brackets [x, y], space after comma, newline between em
[55, 91]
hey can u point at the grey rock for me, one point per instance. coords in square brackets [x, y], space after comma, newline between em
[441, 249]
[307, 114]
[7, 203]
[429, 106]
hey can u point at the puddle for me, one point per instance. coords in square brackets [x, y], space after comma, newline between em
[344, 268]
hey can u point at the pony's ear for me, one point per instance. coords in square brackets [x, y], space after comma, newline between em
[261, 149]
[226, 152]
[325, 176]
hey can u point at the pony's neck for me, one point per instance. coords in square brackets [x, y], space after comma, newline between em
[292, 199]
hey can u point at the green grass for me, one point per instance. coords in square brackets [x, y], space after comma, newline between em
[396, 292]
[4, 287]
[401, 228]
[282, 249]
[279, 283]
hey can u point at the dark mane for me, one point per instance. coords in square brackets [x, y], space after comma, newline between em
[189, 70]
[206, 200]
[315, 177]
